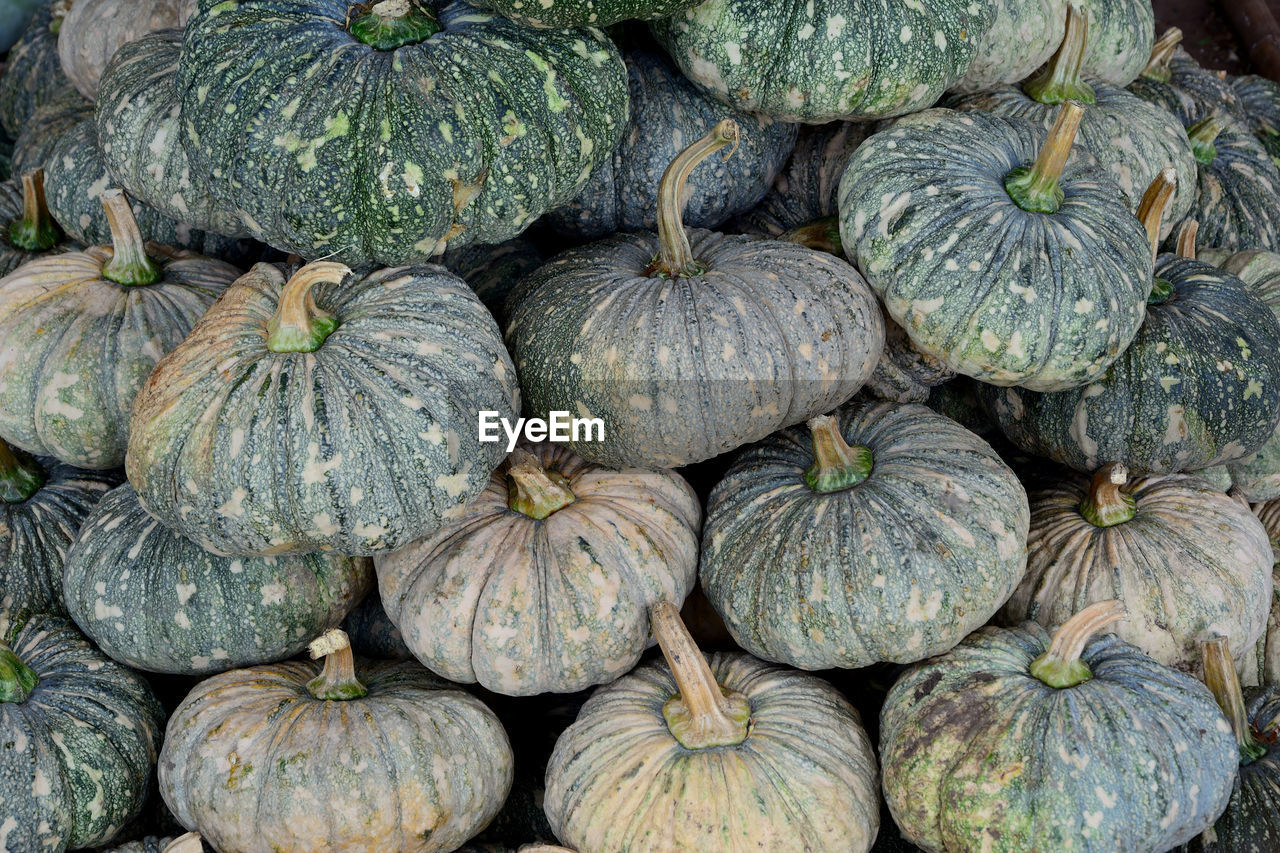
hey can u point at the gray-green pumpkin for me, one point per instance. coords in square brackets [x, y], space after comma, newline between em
[904, 374]
[32, 74]
[578, 13]
[1022, 37]
[1260, 98]
[1015, 741]
[1261, 664]
[492, 271]
[79, 735]
[331, 411]
[1123, 34]
[48, 124]
[27, 229]
[94, 30]
[436, 125]
[371, 631]
[795, 60]
[1174, 81]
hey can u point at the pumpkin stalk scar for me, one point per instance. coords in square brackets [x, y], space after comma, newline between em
[1155, 203]
[1221, 679]
[1187, 235]
[532, 489]
[20, 476]
[675, 257]
[337, 681]
[298, 325]
[1060, 81]
[1061, 666]
[836, 465]
[1107, 505]
[1203, 134]
[1157, 67]
[390, 24]
[822, 234]
[129, 264]
[1035, 188]
[35, 230]
[702, 714]
[17, 680]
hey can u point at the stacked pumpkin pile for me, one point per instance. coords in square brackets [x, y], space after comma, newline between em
[998, 379]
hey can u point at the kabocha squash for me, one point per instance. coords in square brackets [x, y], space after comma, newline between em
[1022, 37]
[380, 756]
[83, 330]
[33, 74]
[1124, 32]
[667, 110]
[577, 13]
[1174, 81]
[1014, 741]
[95, 29]
[80, 735]
[883, 533]
[1260, 99]
[1186, 560]
[371, 631]
[437, 125]
[545, 581]
[492, 271]
[48, 124]
[848, 59]
[996, 253]
[331, 411]
[1261, 664]
[27, 230]
[904, 374]
[732, 749]
[686, 345]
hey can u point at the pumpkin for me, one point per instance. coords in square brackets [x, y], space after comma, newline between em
[471, 128]
[1261, 664]
[667, 110]
[545, 581]
[492, 271]
[79, 734]
[728, 752]
[1186, 560]
[27, 229]
[1016, 741]
[961, 400]
[1174, 81]
[847, 59]
[858, 539]
[1008, 265]
[383, 756]
[188, 843]
[1123, 33]
[376, 381]
[640, 330]
[33, 75]
[371, 631]
[904, 374]
[578, 13]
[1260, 99]
[1021, 39]
[48, 124]
[95, 29]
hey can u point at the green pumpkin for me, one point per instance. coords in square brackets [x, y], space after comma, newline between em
[544, 582]
[1023, 36]
[579, 13]
[473, 126]
[330, 412]
[1174, 81]
[998, 255]
[1261, 664]
[1260, 98]
[79, 735]
[730, 754]
[492, 271]
[847, 59]
[48, 124]
[884, 533]
[27, 229]
[371, 631]
[95, 29]
[1123, 32]
[904, 374]
[1014, 741]
[32, 73]
[374, 756]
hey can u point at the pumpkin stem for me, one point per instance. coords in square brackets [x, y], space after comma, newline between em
[189, 843]
[1106, 505]
[532, 489]
[394, 23]
[20, 475]
[702, 714]
[1203, 134]
[675, 258]
[35, 230]
[822, 234]
[1036, 188]
[1157, 67]
[1220, 677]
[1154, 205]
[17, 680]
[836, 464]
[1061, 665]
[1187, 235]
[298, 325]
[1060, 80]
[129, 264]
[337, 681]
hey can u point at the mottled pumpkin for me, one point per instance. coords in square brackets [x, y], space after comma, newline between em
[1260, 98]
[728, 752]
[27, 229]
[1022, 37]
[1174, 81]
[1261, 664]
[1123, 32]
[32, 73]
[1014, 741]
[375, 756]
[333, 411]
[492, 271]
[577, 13]
[79, 734]
[95, 29]
[544, 583]
[904, 374]
[48, 124]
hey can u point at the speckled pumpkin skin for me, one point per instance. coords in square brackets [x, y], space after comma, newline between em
[804, 779]
[362, 446]
[472, 135]
[978, 754]
[1191, 564]
[79, 347]
[1023, 36]
[903, 373]
[492, 271]
[841, 59]
[1200, 386]
[1260, 99]
[95, 29]
[33, 75]
[1191, 90]
[833, 580]
[256, 764]
[1121, 35]
[772, 334]
[1021, 309]
[48, 124]
[1261, 664]
[667, 113]
[523, 606]
[78, 753]
[578, 13]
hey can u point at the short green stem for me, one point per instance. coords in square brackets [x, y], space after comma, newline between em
[1106, 505]
[533, 490]
[1203, 134]
[17, 680]
[1161, 290]
[337, 681]
[1061, 666]
[298, 325]
[675, 257]
[35, 230]
[1221, 679]
[822, 234]
[1060, 81]
[390, 24]
[20, 475]
[1155, 204]
[702, 714]
[1036, 188]
[129, 264]
[1157, 67]
[836, 464]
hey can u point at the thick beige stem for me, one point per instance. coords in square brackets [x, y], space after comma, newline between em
[189, 843]
[337, 681]
[129, 264]
[1157, 67]
[702, 714]
[1155, 204]
[675, 257]
[532, 489]
[298, 325]
[1187, 235]
[1061, 665]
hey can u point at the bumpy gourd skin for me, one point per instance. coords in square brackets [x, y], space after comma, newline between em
[1024, 34]
[578, 13]
[1121, 34]
[33, 74]
[1190, 89]
[47, 125]
[1260, 98]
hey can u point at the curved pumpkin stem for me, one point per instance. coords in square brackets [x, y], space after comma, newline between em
[1036, 188]
[822, 234]
[34, 230]
[17, 680]
[298, 325]
[1060, 80]
[20, 475]
[1061, 666]
[1106, 505]
[702, 714]
[1221, 679]
[189, 843]
[675, 258]
[1155, 204]
[1203, 134]
[837, 465]
[1157, 67]
[129, 264]
[532, 489]
[394, 23]
[1187, 235]
[337, 681]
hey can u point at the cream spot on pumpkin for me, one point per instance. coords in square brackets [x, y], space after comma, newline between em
[315, 470]
[639, 401]
[370, 530]
[182, 620]
[234, 506]
[879, 581]
[918, 611]
[54, 405]
[185, 591]
[1083, 306]
[324, 524]
[453, 485]
[272, 593]
[40, 785]
[357, 494]
[989, 340]
[835, 26]
[237, 442]
[236, 567]
[1093, 819]
[1177, 426]
[734, 53]
[102, 610]
[1253, 389]
[1167, 382]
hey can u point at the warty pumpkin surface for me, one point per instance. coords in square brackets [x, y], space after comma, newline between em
[1022, 37]
[577, 13]
[1123, 34]
[1260, 98]
[33, 74]
[492, 271]
[48, 124]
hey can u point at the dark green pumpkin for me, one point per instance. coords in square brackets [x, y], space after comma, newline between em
[33, 74]
[1174, 81]
[492, 271]
[1260, 98]
[579, 13]
[27, 229]
[48, 124]
[372, 633]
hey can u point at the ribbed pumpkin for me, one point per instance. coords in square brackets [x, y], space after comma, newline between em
[48, 124]
[884, 533]
[643, 331]
[730, 754]
[381, 756]
[996, 253]
[1260, 98]
[545, 581]
[79, 734]
[577, 13]
[95, 29]
[1187, 561]
[437, 125]
[1123, 34]
[330, 411]
[492, 271]
[27, 230]
[1261, 664]
[1174, 81]
[1015, 741]
[33, 74]
[1022, 37]
[848, 59]
[83, 330]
